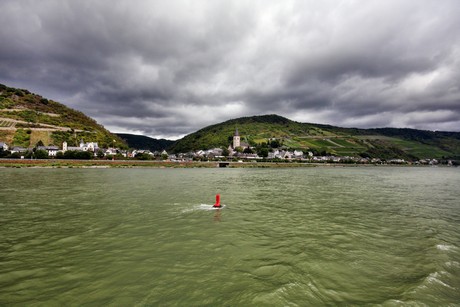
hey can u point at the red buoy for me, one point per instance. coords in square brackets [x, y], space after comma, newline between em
[217, 204]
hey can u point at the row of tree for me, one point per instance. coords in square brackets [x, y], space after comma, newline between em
[43, 154]
[73, 155]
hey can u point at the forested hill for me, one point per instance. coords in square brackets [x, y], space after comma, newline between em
[145, 142]
[27, 118]
[382, 142]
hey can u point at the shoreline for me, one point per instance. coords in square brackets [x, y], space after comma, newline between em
[58, 163]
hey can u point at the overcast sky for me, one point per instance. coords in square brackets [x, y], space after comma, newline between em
[168, 68]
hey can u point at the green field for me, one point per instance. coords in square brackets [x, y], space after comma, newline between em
[417, 149]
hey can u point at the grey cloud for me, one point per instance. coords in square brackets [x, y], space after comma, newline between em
[171, 67]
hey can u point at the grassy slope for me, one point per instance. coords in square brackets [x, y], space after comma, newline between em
[385, 143]
[38, 113]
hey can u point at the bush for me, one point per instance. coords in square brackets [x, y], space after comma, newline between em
[84, 155]
[76, 155]
[100, 154]
[143, 156]
[22, 137]
[41, 154]
[263, 152]
[4, 153]
[6, 103]
[15, 155]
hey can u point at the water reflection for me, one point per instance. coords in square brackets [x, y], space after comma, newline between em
[218, 215]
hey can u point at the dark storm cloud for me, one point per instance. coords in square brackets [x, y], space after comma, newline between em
[168, 68]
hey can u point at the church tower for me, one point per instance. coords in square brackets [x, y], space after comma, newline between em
[236, 139]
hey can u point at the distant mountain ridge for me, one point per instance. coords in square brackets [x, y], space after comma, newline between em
[145, 142]
[384, 143]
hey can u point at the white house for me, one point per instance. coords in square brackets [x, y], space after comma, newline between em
[83, 147]
[200, 153]
[274, 154]
[134, 153]
[111, 152]
[3, 146]
[298, 154]
[91, 146]
[65, 147]
[18, 149]
[52, 150]
[287, 154]
[214, 152]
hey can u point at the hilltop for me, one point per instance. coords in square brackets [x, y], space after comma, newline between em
[27, 118]
[387, 143]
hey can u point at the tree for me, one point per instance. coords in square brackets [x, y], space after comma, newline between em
[275, 144]
[84, 155]
[70, 154]
[39, 143]
[100, 153]
[143, 156]
[41, 154]
[79, 155]
[4, 153]
[225, 152]
[15, 155]
[263, 152]
[119, 156]
[248, 150]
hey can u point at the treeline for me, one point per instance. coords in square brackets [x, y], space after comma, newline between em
[43, 154]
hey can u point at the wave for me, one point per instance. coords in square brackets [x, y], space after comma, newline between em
[435, 278]
[444, 247]
[202, 207]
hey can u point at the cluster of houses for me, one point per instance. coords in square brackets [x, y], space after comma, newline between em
[217, 153]
[235, 151]
[52, 150]
[90, 147]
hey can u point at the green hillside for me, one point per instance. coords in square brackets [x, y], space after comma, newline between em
[388, 143]
[145, 142]
[27, 118]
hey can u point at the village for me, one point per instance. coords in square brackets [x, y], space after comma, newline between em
[238, 151]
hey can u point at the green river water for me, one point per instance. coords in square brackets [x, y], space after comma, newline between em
[386, 236]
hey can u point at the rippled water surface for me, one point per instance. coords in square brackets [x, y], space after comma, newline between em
[287, 237]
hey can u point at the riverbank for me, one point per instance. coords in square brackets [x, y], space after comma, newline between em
[58, 163]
